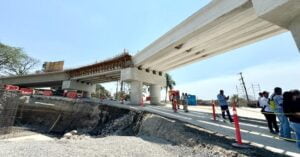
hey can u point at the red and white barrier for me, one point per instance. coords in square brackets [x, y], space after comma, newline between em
[238, 135]
[11, 88]
[47, 93]
[26, 91]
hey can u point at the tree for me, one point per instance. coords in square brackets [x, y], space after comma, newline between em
[13, 61]
[101, 92]
[22, 67]
[9, 55]
[170, 83]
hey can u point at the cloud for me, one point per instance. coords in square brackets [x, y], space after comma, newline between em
[268, 76]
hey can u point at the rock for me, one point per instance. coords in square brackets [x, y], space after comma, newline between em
[67, 135]
[74, 132]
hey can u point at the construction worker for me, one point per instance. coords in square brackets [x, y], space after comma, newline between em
[178, 100]
[185, 106]
[268, 113]
[183, 99]
[174, 102]
[284, 127]
[222, 99]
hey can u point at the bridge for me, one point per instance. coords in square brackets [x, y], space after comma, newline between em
[219, 27]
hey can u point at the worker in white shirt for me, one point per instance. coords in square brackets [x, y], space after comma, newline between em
[270, 116]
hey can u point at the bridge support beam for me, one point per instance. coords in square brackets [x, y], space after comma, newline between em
[284, 13]
[74, 85]
[155, 94]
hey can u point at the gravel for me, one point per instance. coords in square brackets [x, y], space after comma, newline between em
[91, 147]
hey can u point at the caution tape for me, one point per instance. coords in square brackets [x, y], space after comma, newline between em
[279, 137]
[277, 113]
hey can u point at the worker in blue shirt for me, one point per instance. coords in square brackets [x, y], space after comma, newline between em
[222, 99]
[285, 130]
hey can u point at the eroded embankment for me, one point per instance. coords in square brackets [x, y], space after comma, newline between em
[99, 120]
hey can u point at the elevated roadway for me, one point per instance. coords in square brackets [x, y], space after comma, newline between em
[217, 28]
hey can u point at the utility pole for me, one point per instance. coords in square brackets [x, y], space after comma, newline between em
[244, 86]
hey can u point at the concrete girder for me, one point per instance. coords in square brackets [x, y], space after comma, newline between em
[36, 80]
[284, 13]
[219, 44]
[243, 40]
[225, 23]
[295, 29]
[279, 12]
[185, 30]
[218, 27]
[97, 74]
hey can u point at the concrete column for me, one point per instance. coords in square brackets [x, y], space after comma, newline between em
[136, 92]
[155, 94]
[295, 29]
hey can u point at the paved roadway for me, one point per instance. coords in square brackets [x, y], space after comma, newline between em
[253, 125]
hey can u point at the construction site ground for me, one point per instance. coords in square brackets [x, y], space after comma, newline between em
[253, 125]
[253, 128]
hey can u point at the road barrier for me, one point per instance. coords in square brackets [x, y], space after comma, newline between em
[213, 109]
[238, 135]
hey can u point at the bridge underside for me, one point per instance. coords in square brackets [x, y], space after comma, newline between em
[41, 84]
[221, 26]
[51, 79]
[104, 77]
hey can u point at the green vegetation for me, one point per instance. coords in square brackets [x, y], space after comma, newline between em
[170, 83]
[101, 92]
[14, 61]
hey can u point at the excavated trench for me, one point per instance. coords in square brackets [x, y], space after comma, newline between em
[59, 116]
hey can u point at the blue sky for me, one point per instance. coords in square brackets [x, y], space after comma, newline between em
[85, 32]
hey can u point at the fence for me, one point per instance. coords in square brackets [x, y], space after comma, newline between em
[9, 102]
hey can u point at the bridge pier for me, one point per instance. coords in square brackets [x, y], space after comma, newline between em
[137, 78]
[155, 94]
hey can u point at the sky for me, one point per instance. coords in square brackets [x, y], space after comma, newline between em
[83, 32]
